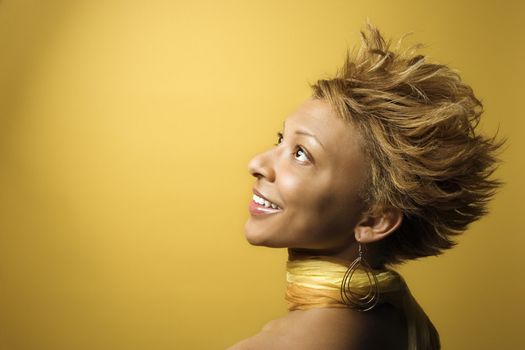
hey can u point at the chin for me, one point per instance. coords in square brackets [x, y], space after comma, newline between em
[259, 238]
[254, 240]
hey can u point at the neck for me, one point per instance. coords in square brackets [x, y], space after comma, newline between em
[348, 254]
[327, 281]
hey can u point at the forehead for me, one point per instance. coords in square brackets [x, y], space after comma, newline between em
[316, 116]
[312, 112]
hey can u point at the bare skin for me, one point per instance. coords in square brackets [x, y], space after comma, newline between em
[314, 175]
[332, 329]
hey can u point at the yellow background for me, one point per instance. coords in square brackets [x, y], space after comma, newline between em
[125, 129]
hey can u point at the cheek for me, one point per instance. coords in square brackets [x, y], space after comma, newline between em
[312, 201]
[320, 208]
[291, 187]
[329, 212]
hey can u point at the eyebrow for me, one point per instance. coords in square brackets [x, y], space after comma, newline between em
[301, 132]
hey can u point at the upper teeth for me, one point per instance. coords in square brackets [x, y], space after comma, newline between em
[262, 201]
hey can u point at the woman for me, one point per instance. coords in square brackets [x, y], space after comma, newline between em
[381, 165]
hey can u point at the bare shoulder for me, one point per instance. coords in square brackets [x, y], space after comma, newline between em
[384, 328]
[335, 329]
[272, 336]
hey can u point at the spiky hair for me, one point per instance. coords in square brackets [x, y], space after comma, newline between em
[419, 124]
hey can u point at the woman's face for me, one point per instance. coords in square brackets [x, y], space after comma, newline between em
[312, 177]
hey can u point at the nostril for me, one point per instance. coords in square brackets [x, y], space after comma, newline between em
[252, 169]
[255, 172]
[255, 166]
[261, 166]
[257, 175]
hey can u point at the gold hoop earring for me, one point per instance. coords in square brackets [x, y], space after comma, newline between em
[359, 300]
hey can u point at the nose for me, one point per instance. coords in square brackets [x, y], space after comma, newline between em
[262, 166]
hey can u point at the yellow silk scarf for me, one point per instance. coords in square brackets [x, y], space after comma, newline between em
[315, 282]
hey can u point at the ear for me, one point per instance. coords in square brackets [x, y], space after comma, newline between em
[375, 226]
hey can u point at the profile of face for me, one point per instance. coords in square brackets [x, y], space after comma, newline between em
[306, 191]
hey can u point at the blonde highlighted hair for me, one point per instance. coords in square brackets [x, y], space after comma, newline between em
[419, 124]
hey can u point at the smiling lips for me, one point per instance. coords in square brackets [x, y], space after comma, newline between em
[261, 206]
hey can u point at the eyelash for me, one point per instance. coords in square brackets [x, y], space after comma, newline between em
[299, 148]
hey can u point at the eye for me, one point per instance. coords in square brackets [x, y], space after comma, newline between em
[279, 138]
[301, 155]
